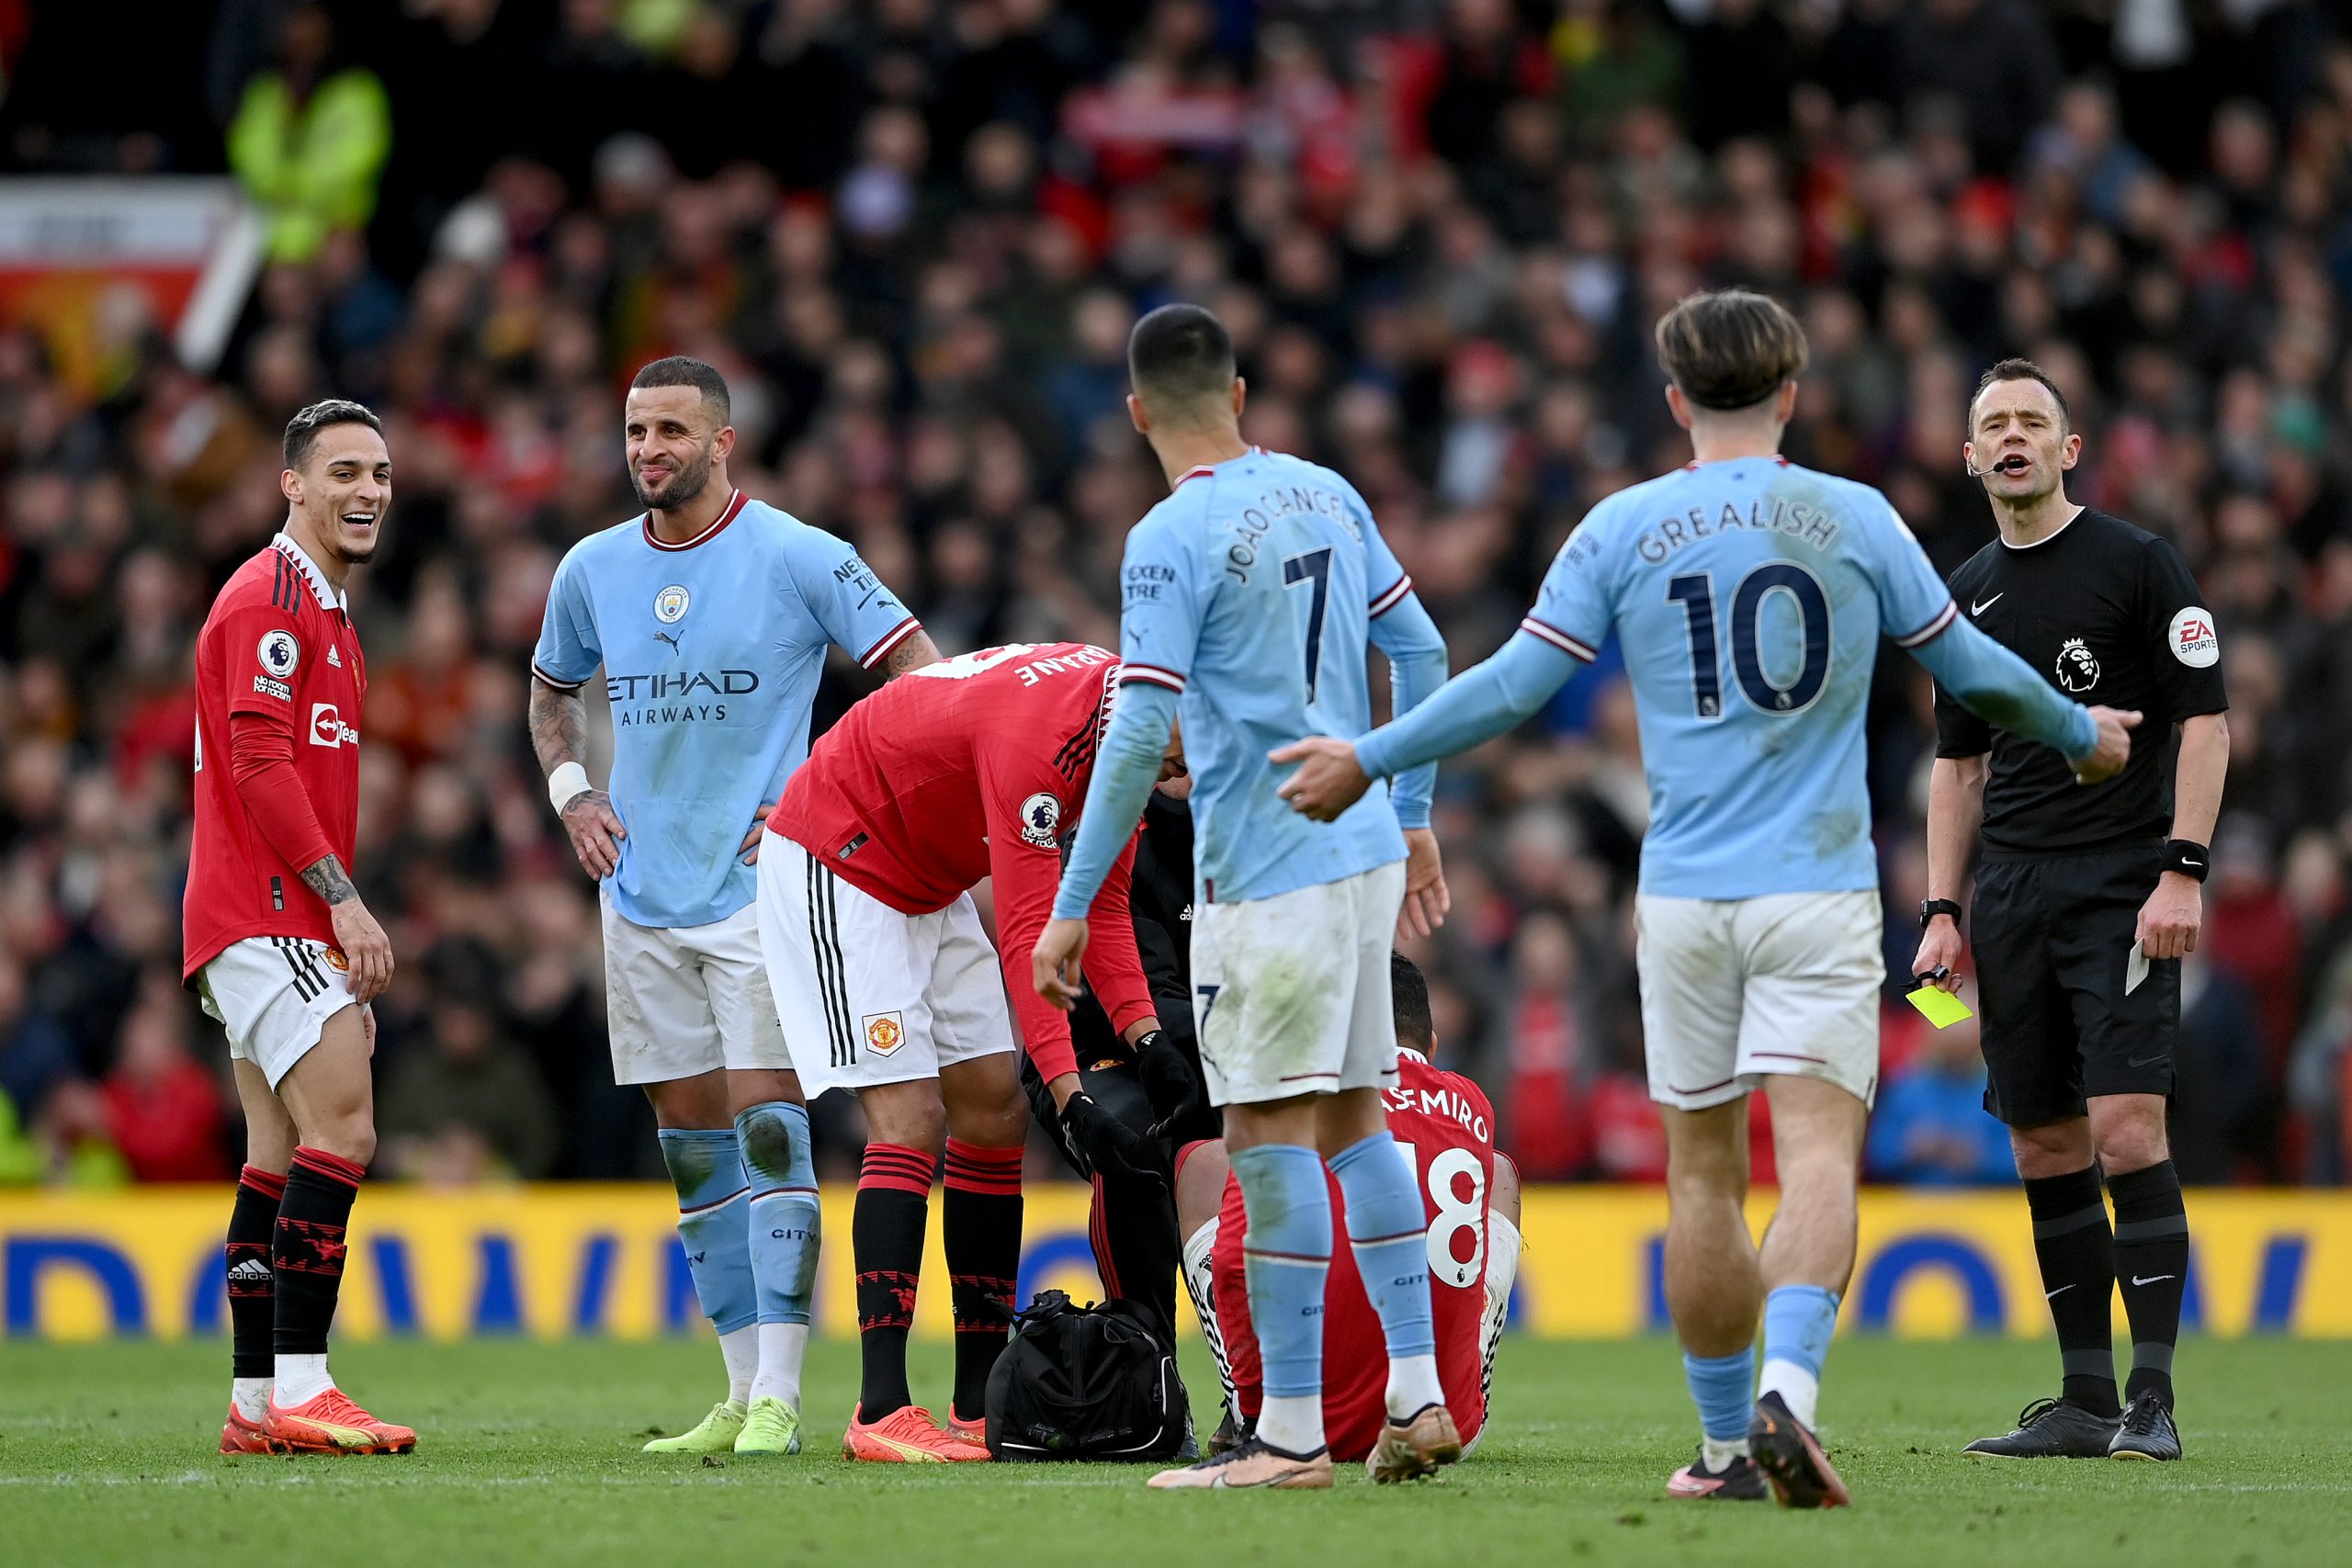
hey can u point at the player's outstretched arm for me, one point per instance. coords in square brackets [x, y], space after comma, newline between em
[1481, 703]
[558, 721]
[2003, 690]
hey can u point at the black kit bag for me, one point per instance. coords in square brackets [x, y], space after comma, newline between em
[1085, 1382]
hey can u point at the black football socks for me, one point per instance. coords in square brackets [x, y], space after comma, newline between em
[886, 1239]
[253, 1283]
[2152, 1269]
[980, 1226]
[2076, 1250]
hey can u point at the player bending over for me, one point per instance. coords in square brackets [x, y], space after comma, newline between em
[1251, 594]
[969, 769]
[1470, 1195]
[278, 945]
[710, 615]
[1750, 595]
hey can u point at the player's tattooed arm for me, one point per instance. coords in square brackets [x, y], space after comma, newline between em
[364, 947]
[559, 723]
[915, 652]
[326, 877]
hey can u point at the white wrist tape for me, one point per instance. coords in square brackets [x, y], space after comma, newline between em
[567, 780]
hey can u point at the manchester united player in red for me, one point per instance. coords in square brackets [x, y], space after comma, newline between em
[970, 768]
[1446, 1128]
[277, 943]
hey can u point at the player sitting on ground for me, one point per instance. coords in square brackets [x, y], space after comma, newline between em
[1446, 1129]
[278, 945]
[710, 615]
[1750, 595]
[968, 769]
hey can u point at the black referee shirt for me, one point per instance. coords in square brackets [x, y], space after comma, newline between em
[2108, 614]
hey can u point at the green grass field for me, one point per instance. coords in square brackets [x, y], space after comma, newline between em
[527, 1455]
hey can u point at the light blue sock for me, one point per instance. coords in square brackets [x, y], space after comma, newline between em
[1798, 1322]
[1390, 1235]
[786, 1229]
[1724, 1388]
[1284, 1260]
[714, 1204]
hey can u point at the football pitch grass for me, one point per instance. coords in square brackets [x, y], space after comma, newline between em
[527, 1454]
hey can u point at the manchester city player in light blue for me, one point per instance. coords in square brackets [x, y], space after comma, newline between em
[710, 615]
[1250, 597]
[1750, 595]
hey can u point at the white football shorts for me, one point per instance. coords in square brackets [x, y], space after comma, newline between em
[1735, 990]
[1290, 993]
[684, 1000]
[869, 995]
[273, 995]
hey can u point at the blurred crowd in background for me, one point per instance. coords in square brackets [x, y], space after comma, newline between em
[913, 233]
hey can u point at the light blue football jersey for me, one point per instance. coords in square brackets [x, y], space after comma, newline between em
[711, 651]
[1255, 591]
[1749, 595]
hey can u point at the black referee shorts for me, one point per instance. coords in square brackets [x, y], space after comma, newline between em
[2052, 939]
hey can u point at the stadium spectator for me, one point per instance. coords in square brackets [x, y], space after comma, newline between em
[309, 138]
[1929, 1127]
[466, 1087]
[1377, 210]
[163, 1107]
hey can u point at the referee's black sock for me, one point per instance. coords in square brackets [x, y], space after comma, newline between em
[2076, 1250]
[886, 1238]
[2150, 1268]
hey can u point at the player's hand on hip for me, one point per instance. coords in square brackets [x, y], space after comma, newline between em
[2114, 747]
[597, 833]
[2171, 917]
[749, 848]
[364, 947]
[1328, 781]
[1054, 963]
[1941, 948]
[1426, 897]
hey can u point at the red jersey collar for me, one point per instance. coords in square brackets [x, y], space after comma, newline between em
[735, 505]
[1197, 469]
[321, 589]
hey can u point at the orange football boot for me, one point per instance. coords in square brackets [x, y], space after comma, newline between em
[975, 1431]
[906, 1436]
[332, 1423]
[244, 1437]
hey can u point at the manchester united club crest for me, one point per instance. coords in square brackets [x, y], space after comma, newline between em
[337, 962]
[670, 605]
[884, 1033]
[2077, 669]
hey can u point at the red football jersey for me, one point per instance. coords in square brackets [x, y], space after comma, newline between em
[279, 641]
[970, 768]
[1448, 1131]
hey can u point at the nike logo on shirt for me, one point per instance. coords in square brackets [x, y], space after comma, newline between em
[2151, 1279]
[1975, 609]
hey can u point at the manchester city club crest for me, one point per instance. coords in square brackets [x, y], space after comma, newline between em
[670, 605]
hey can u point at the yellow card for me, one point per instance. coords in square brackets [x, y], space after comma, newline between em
[1939, 1008]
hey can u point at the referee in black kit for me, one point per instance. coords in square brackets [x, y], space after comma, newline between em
[2086, 900]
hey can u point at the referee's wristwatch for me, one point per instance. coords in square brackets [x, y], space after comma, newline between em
[1929, 908]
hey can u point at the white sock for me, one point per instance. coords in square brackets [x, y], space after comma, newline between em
[302, 1379]
[1413, 1383]
[1292, 1423]
[1716, 1454]
[740, 1349]
[1201, 1284]
[1799, 1389]
[782, 1344]
[251, 1396]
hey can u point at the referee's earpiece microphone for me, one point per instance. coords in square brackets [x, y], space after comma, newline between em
[1997, 463]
